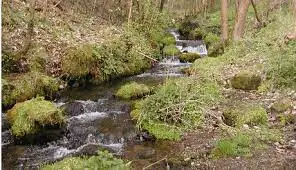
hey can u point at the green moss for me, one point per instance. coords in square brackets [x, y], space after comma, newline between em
[246, 81]
[281, 105]
[103, 160]
[26, 117]
[177, 104]
[163, 131]
[23, 87]
[250, 114]
[79, 61]
[189, 57]
[171, 50]
[37, 58]
[132, 90]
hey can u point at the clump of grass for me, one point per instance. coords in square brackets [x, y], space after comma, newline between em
[27, 117]
[103, 160]
[179, 105]
[250, 114]
[189, 57]
[244, 142]
[132, 90]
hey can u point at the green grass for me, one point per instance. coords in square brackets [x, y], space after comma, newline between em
[102, 161]
[26, 117]
[245, 142]
[132, 90]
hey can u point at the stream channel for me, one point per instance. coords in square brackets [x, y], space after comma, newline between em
[99, 120]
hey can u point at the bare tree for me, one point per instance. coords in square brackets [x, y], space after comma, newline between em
[224, 20]
[240, 21]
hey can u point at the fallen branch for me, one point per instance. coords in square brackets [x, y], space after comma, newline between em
[164, 159]
[147, 56]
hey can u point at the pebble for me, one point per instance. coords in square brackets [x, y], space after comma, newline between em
[245, 126]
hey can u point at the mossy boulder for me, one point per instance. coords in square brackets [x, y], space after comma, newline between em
[103, 160]
[246, 81]
[18, 88]
[28, 117]
[281, 105]
[171, 50]
[132, 90]
[250, 114]
[189, 57]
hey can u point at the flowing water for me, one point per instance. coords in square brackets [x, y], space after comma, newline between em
[96, 120]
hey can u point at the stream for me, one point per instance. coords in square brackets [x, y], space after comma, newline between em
[97, 120]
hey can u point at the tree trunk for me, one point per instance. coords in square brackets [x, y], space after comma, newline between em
[256, 13]
[240, 21]
[162, 2]
[130, 12]
[224, 20]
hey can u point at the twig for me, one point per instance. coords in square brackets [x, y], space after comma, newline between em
[165, 158]
[147, 56]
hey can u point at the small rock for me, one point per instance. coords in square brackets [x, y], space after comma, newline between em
[187, 159]
[245, 126]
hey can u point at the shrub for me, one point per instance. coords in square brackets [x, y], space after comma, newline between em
[26, 117]
[189, 57]
[177, 105]
[282, 105]
[171, 50]
[132, 90]
[27, 86]
[103, 160]
[211, 39]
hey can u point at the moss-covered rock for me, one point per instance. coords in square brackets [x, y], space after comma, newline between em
[281, 105]
[132, 90]
[27, 117]
[189, 57]
[171, 50]
[135, 113]
[103, 160]
[246, 81]
[250, 114]
[18, 88]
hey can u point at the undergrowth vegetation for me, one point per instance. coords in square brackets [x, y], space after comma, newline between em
[178, 105]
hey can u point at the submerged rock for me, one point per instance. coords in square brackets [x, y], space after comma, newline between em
[73, 108]
[246, 81]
